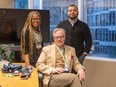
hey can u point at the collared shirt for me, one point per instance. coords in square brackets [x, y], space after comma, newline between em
[73, 22]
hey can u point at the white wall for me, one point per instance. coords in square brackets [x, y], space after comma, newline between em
[6, 3]
[100, 73]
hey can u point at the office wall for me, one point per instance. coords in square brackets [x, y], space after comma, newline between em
[6, 3]
[100, 73]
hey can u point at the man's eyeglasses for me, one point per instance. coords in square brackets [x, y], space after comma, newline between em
[57, 37]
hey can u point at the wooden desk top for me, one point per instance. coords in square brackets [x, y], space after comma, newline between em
[16, 81]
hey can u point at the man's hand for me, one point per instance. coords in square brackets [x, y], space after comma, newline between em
[58, 70]
[81, 74]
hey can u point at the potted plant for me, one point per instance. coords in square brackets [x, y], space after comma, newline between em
[6, 53]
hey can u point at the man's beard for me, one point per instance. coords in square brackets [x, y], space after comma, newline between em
[72, 18]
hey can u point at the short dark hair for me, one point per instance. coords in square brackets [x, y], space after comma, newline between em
[73, 6]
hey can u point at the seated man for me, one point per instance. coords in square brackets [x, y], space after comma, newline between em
[56, 62]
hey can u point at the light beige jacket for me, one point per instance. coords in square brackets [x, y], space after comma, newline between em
[46, 61]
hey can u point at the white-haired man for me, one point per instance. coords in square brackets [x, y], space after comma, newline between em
[56, 62]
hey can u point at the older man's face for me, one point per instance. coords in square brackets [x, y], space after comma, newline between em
[59, 38]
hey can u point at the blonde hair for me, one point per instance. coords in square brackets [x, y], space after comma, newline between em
[28, 26]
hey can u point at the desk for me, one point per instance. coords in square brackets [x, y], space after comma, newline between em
[16, 81]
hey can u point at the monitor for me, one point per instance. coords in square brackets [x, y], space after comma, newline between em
[12, 22]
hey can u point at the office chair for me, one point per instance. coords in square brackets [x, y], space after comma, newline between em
[40, 79]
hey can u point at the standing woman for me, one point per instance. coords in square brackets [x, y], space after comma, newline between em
[31, 39]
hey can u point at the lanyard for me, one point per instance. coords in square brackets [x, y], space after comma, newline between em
[63, 57]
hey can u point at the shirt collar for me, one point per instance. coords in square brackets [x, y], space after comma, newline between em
[73, 22]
